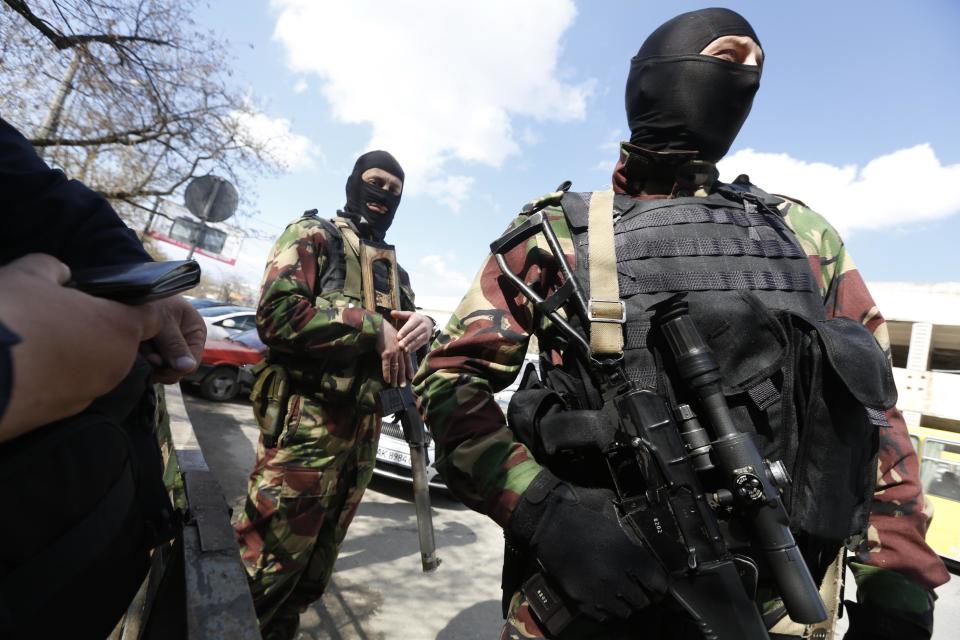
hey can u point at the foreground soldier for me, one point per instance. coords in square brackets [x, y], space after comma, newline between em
[677, 228]
[329, 355]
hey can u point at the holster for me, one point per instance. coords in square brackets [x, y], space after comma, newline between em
[270, 396]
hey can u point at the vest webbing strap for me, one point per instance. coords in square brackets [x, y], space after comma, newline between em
[831, 590]
[606, 311]
[351, 255]
[683, 247]
[714, 281]
[694, 215]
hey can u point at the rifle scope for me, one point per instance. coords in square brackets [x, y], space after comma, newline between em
[743, 469]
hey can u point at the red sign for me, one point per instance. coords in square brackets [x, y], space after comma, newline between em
[186, 245]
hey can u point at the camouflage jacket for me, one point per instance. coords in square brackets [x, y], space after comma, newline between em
[313, 329]
[482, 349]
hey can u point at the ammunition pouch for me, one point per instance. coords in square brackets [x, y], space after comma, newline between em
[270, 396]
[357, 382]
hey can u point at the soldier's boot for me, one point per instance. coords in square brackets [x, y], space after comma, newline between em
[282, 626]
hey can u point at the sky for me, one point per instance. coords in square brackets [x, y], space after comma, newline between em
[490, 104]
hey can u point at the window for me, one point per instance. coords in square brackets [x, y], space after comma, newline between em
[940, 469]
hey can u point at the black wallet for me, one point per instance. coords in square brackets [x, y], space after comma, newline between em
[138, 282]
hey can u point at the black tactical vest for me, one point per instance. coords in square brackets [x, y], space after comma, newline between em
[712, 247]
[812, 390]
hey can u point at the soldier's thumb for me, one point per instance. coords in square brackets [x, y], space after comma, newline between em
[173, 348]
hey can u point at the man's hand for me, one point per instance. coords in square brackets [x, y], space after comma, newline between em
[177, 349]
[395, 363]
[415, 330]
[74, 347]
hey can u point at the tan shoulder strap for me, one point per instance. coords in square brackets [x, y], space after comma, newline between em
[352, 284]
[605, 310]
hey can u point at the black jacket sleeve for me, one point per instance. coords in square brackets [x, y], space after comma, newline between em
[43, 212]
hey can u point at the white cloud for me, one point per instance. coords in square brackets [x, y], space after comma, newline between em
[433, 276]
[287, 150]
[300, 86]
[438, 81]
[893, 190]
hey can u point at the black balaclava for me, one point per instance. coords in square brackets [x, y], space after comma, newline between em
[678, 100]
[359, 193]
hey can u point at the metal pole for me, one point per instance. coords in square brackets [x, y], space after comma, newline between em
[203, 219]
[153, 214]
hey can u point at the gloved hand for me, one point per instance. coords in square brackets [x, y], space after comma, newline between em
[877, 623]
[889, 607]
[576, 535]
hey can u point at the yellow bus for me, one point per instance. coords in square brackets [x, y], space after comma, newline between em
[939, 453]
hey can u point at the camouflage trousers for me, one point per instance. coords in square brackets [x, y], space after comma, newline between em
[302, 496]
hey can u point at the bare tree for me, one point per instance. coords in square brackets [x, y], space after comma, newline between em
[129, 96]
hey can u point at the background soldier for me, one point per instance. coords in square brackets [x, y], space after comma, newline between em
[690, 89]
[329, 355]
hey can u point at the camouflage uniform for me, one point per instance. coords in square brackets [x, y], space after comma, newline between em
[482, 349]
[304, 492]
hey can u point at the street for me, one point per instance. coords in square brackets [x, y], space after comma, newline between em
[378, 591]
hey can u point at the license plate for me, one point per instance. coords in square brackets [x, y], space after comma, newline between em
[396, 457]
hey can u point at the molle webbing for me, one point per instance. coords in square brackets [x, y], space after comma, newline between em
[680, 247]
[710, 246]
[715, 281]
[685, 214]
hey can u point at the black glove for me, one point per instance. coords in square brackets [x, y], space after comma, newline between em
[884, 623]
[576, 535]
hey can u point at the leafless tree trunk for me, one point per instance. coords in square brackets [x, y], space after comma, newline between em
[128, 95]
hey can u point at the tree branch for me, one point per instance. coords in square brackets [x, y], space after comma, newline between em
[62, 41]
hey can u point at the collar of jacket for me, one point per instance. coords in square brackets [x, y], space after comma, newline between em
[637, 168]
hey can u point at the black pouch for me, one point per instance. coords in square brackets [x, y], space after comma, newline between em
[843, 386]
[813, 393]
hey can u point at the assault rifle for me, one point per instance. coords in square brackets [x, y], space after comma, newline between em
[400, 401]
[656, 463]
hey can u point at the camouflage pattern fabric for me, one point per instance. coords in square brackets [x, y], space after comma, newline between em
[304, 493]
[482, 349]
[302, 497]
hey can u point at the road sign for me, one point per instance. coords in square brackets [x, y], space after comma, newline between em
[211, 199]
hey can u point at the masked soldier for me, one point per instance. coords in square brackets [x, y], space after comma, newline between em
[780, 303]
[331, 294]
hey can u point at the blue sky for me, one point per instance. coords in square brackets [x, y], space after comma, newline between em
[490, 104]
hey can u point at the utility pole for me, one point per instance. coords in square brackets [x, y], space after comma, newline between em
[52, 122]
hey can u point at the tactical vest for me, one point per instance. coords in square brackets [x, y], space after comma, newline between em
[812, 390]
[342, 283]
[343, 275]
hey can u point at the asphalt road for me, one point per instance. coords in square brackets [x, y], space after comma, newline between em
[378, 591]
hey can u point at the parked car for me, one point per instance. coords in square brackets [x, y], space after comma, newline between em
[393, 452]
[223, 322]
[204, 303]
[219, 375]
[393, 456]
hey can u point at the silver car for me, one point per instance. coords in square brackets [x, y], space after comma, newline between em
[393, 452]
